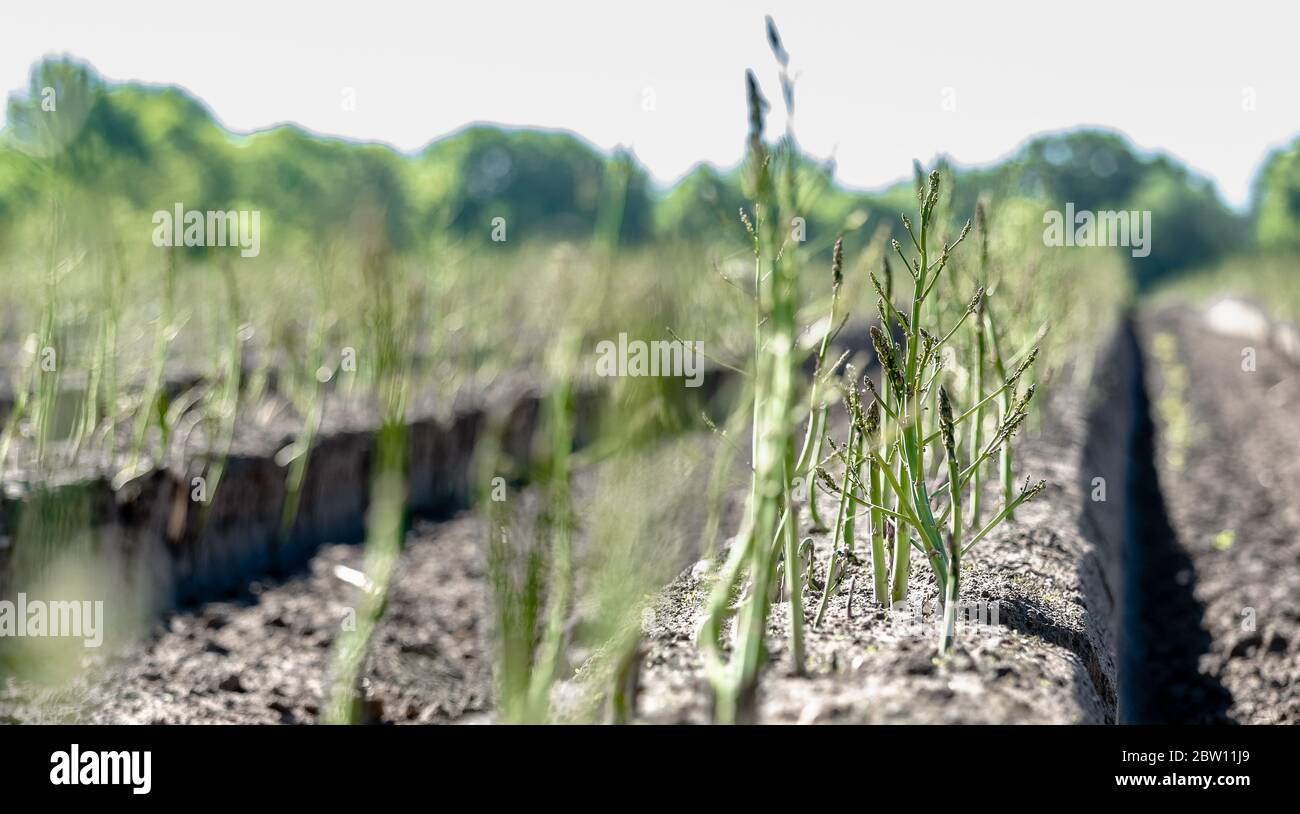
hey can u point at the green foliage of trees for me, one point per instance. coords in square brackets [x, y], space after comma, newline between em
[1276, 205]
[146, 148]
[543, 183]
[1101, 171]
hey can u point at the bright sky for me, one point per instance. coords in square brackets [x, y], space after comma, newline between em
[879, 83]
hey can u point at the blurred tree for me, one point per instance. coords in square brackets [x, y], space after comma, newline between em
[152, 147]
[703, 205]
[1276, 204]
[546, 185]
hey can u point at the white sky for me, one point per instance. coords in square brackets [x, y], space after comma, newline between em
[1170, 77]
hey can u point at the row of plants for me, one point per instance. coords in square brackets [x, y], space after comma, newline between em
[900, 431]
[926, 466]
[964, 339]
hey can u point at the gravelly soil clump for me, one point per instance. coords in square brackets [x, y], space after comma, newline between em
[265, 660]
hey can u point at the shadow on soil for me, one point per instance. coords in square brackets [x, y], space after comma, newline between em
[1163, 631]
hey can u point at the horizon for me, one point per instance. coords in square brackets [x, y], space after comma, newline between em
[660, 185]
[649, 103]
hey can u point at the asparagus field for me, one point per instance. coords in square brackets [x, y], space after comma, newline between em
[297, 429]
